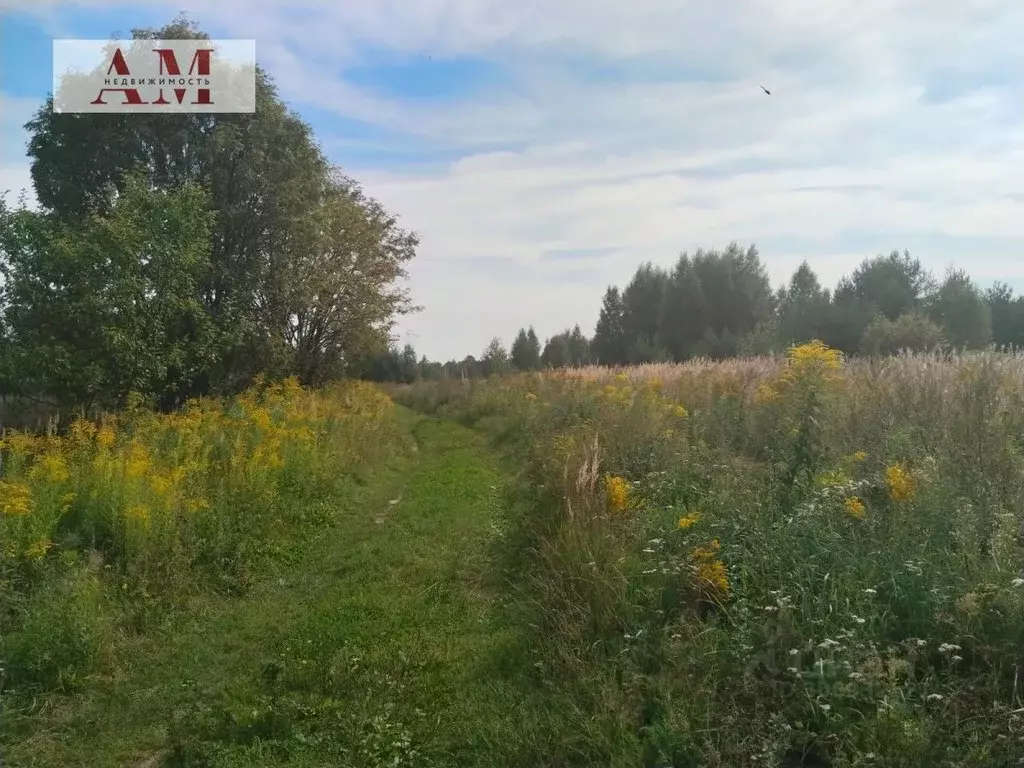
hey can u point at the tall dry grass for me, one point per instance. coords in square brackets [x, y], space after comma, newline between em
[777, 561]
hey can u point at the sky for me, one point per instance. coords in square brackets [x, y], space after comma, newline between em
[542, 150]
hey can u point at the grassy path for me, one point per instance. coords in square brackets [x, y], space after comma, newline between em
[380, 644]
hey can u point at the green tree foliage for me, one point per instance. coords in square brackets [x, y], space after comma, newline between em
[720, 303]
[1007, 316]
[960, 309]
[641, 307]
[891, 285]
[887, 285]
[683, 309]
[610, 344]
[525, 353]
[763, 339]
[711, 301]
[557, 353]
[568, 348]
[302, 268]
[803, 308]
[579, 347]
[337, 295]
[496, 359]
[108, 303]
[644, 349]
[910, 332]
[265, 176]
[400, 366]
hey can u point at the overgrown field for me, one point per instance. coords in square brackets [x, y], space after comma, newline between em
[762, 562]
[803, 561]
[117, 529]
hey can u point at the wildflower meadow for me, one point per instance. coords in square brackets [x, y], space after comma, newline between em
[114, 522]
[799, 560]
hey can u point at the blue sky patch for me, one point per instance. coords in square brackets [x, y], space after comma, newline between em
[425, 77]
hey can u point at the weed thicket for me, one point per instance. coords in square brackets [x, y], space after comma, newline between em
[104, 528]
[794, 561]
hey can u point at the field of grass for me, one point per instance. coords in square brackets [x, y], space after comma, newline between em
[771, 562]
[291, 578]
[802, 561]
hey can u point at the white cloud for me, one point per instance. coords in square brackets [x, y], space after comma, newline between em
[891, 124]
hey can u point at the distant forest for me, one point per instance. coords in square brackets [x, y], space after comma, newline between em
[719, 304]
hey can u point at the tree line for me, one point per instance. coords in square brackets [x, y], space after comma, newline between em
[172, 256]
[720, 303]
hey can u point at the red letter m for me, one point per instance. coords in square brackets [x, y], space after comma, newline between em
[200, 65]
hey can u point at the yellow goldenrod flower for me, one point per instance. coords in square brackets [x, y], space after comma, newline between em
[82, 430]
[812, 363]
[617, 492]
[686, 521]
[22, 444]
[261, 418]
[38, 549]
[15, 498]
[854, 507]
[709, 570]
[815, 355]
[105, 437]
[138, 463]
[680, 412]
[859, 456]
[900, 482]
[52, 468]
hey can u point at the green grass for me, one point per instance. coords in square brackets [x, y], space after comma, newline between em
[816, 563]
[382, 640]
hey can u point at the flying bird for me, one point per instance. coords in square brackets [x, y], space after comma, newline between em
[766, 90]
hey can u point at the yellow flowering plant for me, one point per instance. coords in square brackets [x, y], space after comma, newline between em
[899, 482]
[616, 493]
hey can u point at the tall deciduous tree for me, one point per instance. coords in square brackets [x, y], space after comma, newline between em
[556, 352]
[960, 309]
[108, 303]
[803, 307]
[338, 288]
[495, 359]
[296, 281]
